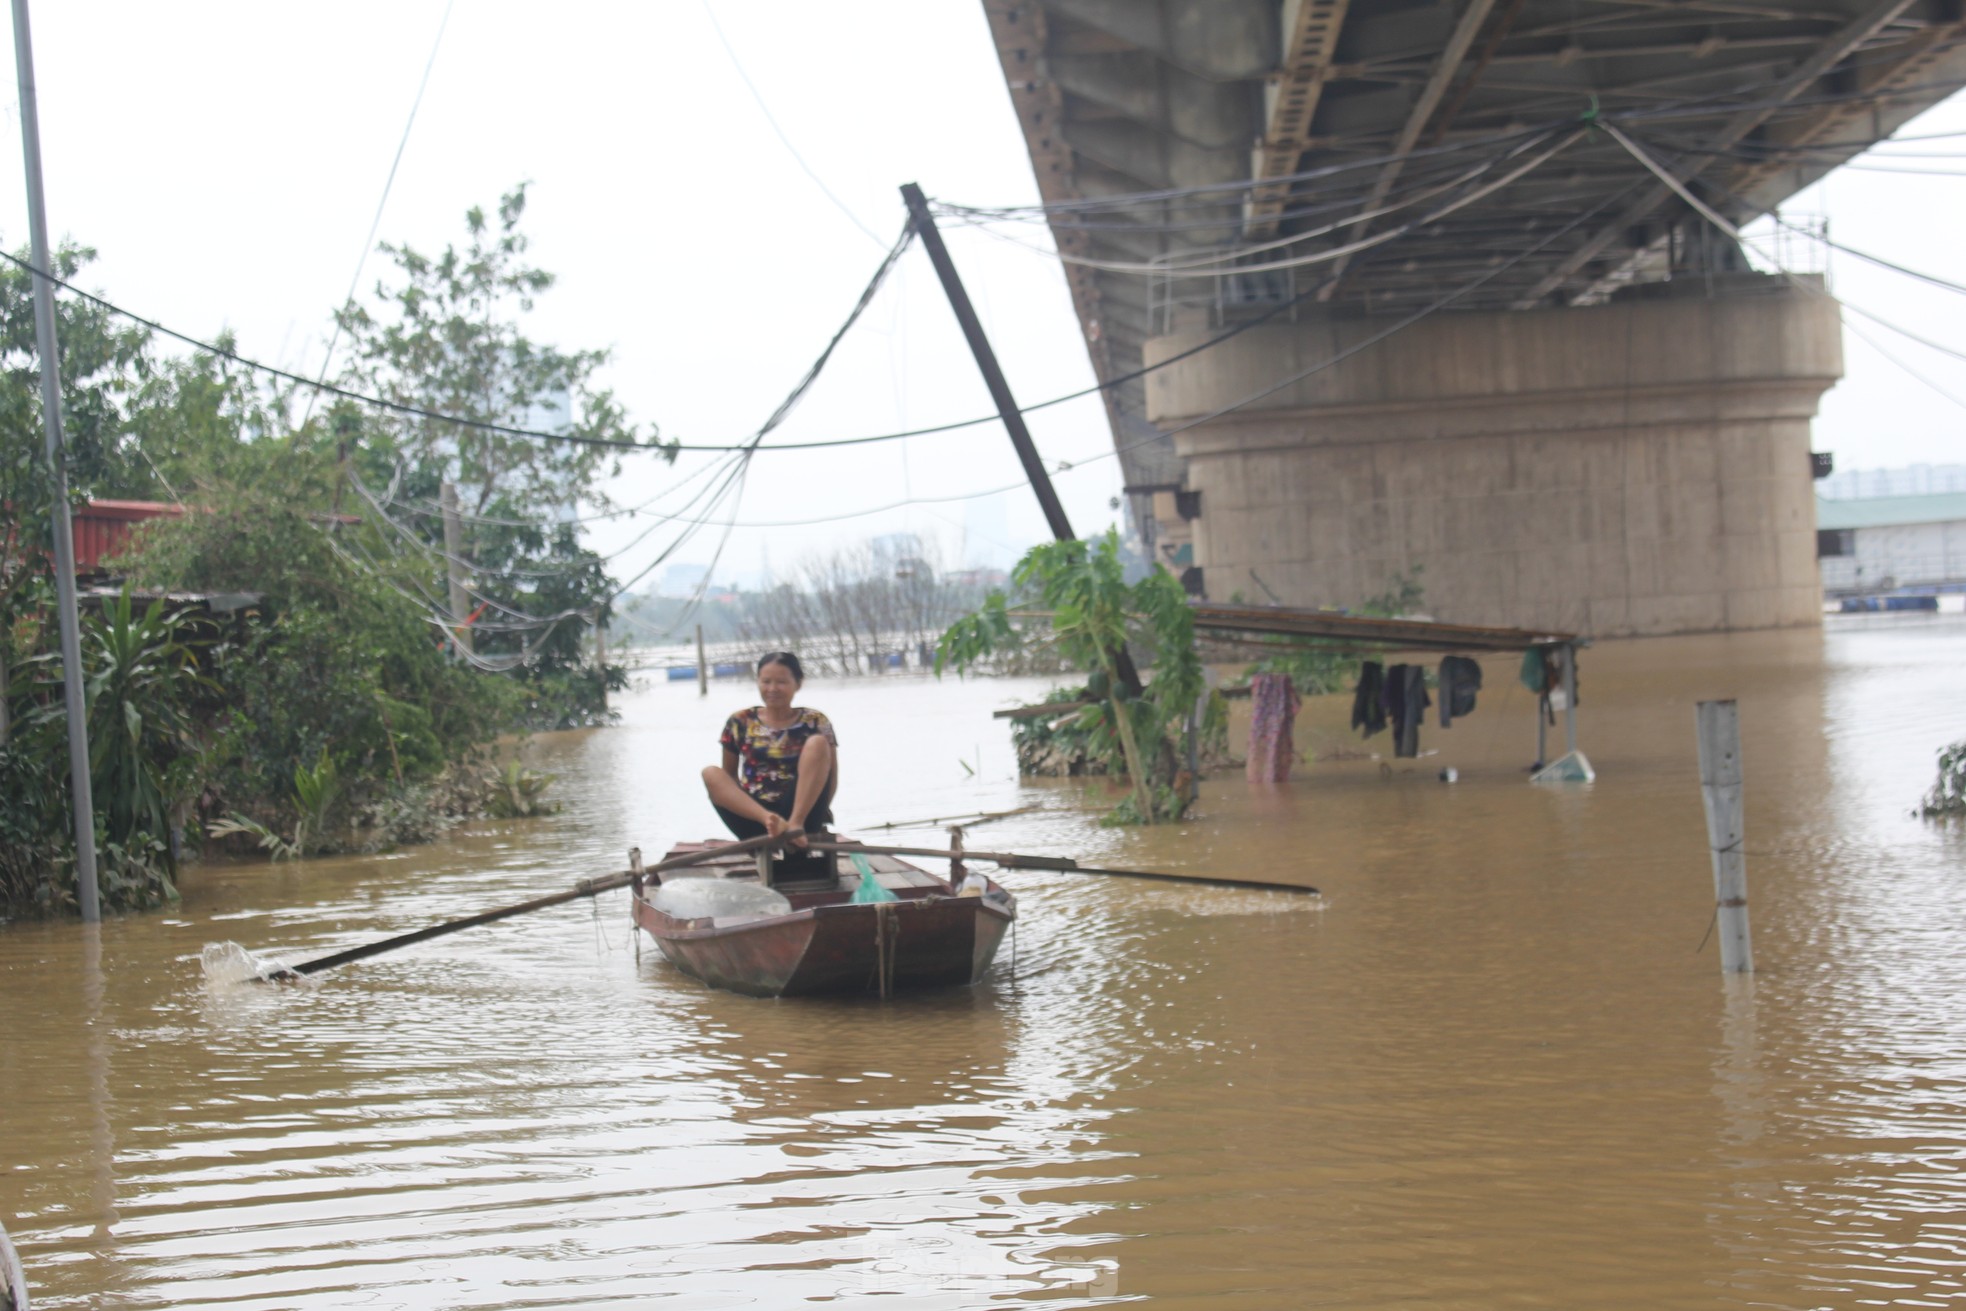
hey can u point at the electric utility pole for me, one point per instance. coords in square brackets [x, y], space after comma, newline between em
[986, 360]
[44, 339]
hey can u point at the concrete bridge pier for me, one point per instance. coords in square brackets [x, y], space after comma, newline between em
[1637, 467]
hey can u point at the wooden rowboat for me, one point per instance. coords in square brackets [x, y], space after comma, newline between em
[931, 935]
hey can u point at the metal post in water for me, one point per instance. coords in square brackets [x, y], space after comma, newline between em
[1570, 699]
[1719, 728]
[454, 567]
[75, 703]
[1542, 733]
[702, 665]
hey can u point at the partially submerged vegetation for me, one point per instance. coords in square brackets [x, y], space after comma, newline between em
[337, 709]
[1073, 606]
[1093, 620]
[1948, 794]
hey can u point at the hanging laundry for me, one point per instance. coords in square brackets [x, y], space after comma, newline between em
[1535, 671]
[1273, 710]
[1563, 677]
[1367, 712]
[1460, 679]
[1405, 699]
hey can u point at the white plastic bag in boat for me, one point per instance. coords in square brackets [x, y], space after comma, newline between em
[718, 899]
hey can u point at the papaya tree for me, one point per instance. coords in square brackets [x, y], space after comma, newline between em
[1095, 617]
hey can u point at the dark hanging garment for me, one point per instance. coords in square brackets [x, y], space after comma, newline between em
[1460, 679]
[1535, 671]
[1406, 701]
[1367, 711]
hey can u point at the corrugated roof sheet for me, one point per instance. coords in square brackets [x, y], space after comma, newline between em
[1891, 511]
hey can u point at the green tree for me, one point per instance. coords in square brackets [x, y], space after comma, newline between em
[447, 337]
[104, 364]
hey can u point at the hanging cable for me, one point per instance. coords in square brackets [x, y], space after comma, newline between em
[375, 224]
[1437, 305]
[783, 140]
[1212, 266]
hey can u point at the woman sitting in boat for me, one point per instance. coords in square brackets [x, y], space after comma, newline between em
[781, 762]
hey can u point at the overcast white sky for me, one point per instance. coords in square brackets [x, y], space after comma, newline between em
[226, 159]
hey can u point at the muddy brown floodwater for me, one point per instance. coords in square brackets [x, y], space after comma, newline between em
[1491, 1068]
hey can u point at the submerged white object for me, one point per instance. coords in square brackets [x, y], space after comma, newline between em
[715, 898]
[1571, 768]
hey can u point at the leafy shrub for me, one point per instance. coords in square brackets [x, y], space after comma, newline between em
[1948, 794]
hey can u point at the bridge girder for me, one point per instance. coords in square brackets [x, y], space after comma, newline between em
[1751, 101]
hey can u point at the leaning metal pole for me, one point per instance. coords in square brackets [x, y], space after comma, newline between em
[986, 360]
[44, 337]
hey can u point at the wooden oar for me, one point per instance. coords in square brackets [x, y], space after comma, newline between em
[584, 888]
[1011, 860]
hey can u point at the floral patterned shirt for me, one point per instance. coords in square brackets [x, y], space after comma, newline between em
[768, 758]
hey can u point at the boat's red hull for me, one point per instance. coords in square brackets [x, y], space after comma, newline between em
[928, 938]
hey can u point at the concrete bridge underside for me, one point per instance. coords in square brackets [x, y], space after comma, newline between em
[1606, 428]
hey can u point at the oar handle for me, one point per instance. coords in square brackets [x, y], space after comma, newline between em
[584, 888]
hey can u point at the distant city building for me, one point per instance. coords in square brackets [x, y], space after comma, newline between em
[1912, 480]
[986, 533]
[682, 579]
[1892, 543]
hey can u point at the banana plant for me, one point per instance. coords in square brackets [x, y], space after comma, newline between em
[142, 678]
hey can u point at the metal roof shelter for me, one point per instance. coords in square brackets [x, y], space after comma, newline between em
[1891, 511]
[1355, 106]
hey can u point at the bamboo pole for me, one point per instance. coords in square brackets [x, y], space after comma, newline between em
[1718, 724]
[1061, 864]
[584, 888]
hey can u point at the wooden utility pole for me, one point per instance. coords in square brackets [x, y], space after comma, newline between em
[454, 567]
[86, 898]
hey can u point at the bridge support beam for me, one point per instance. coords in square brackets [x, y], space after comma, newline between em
[1631, 468]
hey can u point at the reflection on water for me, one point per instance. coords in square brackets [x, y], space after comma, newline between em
[1490, 1068]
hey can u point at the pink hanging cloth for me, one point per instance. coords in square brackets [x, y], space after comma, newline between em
[1273, 704]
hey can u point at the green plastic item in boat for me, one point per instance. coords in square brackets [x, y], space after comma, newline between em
[870, 888]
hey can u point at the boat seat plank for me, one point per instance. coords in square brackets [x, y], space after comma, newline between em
[894, 874]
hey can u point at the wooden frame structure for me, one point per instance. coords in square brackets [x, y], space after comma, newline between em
[1349, 632]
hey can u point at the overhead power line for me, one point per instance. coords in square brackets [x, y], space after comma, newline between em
[375, 224]
[285, 375]
[784, 140]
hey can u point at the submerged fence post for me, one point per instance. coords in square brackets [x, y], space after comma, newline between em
[1719, 726]
[702, 666]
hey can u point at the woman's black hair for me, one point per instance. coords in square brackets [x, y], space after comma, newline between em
[786, 658]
